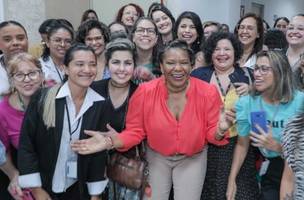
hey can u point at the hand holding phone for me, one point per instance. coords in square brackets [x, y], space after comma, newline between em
[258, 118]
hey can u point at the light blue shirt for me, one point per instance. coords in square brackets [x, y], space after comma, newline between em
[277, 116]
[2, 154]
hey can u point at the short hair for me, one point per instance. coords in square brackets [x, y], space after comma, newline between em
[198, 26]
[280, 18]
[21, 57]
[283, 87]
[275, 39]
[120, 44]
[12, 22]
[177, 44]
[258, 44]
[160, 7]
[53, 29]
[138, 9]
[87, 26]
[210, 45]
[86, 13]
[69, 55]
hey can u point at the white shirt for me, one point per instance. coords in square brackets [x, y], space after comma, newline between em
[51, 72]
[250, 63]
[4, 83]
[61, 182]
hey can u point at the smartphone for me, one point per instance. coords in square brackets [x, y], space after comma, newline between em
[258, 118]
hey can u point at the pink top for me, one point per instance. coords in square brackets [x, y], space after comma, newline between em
[10, 124]
[149, 117]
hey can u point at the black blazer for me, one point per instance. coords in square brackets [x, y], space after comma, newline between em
[205, 74]
[39, 146]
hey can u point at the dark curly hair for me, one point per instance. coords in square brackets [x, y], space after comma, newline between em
[210, 45]
[87, 26]
[198, 26]
[275, 39]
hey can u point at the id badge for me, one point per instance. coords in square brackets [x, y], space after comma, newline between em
[264, 167]
[72, 169]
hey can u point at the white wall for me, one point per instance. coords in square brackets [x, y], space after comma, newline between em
[1, 11]
[29, 13]
[277, 8]
[223, 11]
[107, 9]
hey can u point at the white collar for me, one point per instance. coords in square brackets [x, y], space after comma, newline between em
[90, 97]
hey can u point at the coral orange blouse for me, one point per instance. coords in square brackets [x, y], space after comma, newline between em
[149, 117]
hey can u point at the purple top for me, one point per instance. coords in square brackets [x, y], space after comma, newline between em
[10, 124]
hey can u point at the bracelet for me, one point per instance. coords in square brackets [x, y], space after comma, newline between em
[109, 143]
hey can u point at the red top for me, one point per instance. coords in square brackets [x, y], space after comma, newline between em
[149, 117]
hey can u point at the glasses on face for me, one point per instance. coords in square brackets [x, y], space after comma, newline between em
[141, 31]
[33, 75]
[263, 69]
[61, 41]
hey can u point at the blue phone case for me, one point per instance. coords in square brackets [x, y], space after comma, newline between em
[259, 118]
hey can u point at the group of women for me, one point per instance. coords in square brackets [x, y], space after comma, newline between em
[155, 81]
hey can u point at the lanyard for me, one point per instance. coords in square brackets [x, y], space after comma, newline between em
[223, 92]
[58, 73]
[69, 123]
[21, 102]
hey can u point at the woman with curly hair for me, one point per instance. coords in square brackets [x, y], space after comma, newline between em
[223, 50]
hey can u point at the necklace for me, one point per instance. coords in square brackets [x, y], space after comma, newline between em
[117, 85]
[21, 102]
[223, 92]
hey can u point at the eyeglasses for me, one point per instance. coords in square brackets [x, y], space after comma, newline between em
[141, 31]
[33, 75]
[61, 41]
[263, 69]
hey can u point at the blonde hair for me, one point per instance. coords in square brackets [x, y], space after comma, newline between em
[49, 109]
[13, 63]
[21, 57]
[283, 88]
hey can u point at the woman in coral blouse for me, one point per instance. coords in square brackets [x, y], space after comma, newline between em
[178, 115]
